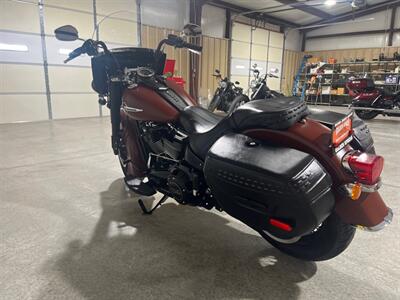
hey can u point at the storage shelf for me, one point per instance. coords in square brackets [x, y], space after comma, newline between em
[377, 70]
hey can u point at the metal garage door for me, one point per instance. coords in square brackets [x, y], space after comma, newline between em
[35, 83]
[255, 45]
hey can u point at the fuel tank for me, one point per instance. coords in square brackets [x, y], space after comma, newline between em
[148, 104]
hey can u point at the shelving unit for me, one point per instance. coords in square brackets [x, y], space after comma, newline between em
[330, 88]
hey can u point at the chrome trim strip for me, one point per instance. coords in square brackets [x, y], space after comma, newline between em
[283, 241]
[386, 221]
[127, 108]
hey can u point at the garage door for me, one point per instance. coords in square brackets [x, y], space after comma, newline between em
[35, 83]
[255, 46]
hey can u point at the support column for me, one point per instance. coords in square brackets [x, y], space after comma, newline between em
[391, 29]
[194, 60]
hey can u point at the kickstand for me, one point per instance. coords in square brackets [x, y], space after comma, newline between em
[149, 212]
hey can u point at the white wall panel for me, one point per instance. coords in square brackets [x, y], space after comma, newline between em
[74, 105]
[55, 17]
[293, 40]
[33, 42]
[240, 50]
[19, 16]
[397, 21]
[259, 52]
[275, 55]
[240, 67]
[84, 5]
[23, 108]
[213, 21]
[106, 7]
[21, 78]
[118, 31]
[381, 21]
[241, 32]
[396, 39]
[70, 79]
[260, 36]
[173, 14]
[276, 39]
[347, 42]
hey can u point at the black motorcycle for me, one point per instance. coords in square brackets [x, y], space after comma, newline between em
[259, 89]
[225, 93]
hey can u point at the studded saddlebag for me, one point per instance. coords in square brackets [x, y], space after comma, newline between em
[255, 182]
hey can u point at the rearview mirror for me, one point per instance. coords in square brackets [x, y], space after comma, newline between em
[66, 33]
[274, 70]
[217, 71]
[237, 82]
[191, 30]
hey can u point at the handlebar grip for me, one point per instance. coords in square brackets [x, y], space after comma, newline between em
[193, 47]
[75, 53]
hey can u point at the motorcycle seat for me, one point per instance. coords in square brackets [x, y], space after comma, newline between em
[196, 119]
[205, 127]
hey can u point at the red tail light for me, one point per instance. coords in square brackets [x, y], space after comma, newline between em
[366, 167]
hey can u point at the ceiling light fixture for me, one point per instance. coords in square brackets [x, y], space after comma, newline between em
[330, 2]
[13, 47]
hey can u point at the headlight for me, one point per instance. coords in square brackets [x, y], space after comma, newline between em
[223, 84]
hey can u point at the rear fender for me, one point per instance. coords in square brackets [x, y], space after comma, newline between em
[314, 138]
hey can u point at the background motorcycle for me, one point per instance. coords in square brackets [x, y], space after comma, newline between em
[225, 93]
[303, 182]
[370, 101]
[258, 88]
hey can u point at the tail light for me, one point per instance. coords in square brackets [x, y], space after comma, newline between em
[367, 168]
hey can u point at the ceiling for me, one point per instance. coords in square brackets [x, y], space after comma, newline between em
[302, 12]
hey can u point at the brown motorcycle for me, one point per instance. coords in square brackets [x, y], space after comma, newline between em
[303, 179]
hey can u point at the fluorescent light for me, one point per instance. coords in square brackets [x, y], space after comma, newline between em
[64, 51]
[239, 67]
[13, 47]
[330, 2]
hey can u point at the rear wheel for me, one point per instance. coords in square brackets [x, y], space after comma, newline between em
[326, 242]
[366, 114]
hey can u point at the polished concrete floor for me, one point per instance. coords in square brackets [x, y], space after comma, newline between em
[69, 230]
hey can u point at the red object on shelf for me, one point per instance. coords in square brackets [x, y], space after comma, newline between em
[169, 66]
[178, 81]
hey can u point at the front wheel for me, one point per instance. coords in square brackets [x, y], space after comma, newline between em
[214, 103]
[326, 242]
[366, 114]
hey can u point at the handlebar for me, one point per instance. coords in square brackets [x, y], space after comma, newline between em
[178, 42]
[192, 46]
[74, 54]
[89, 47]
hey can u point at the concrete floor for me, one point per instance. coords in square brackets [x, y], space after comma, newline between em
[70, 230]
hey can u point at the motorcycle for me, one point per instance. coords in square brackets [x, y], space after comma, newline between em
[225, 93]
[258, 88]
[369, 101]
[303, 180]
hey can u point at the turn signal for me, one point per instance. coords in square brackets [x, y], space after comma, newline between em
[356, 191]
[367, 168]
